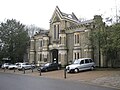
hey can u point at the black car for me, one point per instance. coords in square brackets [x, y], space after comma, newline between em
[50, 67]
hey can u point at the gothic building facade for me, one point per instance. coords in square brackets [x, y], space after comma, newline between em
[66, 40]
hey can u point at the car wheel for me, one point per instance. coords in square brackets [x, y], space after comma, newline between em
[46, 69]
[58, 68]
[76, 70]
[92, 68]
[23, 68]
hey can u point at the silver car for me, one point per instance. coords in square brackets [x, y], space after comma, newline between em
[12, 66]
[22, 66]
[5, 65]
[81, 64]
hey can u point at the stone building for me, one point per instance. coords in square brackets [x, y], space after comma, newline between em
[66, 40]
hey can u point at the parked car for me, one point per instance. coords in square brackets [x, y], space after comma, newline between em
[13, 66]
[33, 65]
[22, 66]
[49, 67]
[5, 65]
[81, 64]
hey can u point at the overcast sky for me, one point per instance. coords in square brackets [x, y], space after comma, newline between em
[39, 12]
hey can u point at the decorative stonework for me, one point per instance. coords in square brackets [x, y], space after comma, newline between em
[59, 42]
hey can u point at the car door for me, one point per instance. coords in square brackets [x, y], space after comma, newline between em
[53, 66]
[87, 64]
[91, 63]
[81, 67]
[50, 67]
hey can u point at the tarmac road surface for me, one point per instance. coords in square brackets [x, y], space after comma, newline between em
[25, 82]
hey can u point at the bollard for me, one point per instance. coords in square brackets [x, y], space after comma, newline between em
[4, 69]
[23, 70]
[32, 68]
[65, 73]
[40, 71]
[14, 69]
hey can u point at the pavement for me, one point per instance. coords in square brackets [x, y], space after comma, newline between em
[102, 77]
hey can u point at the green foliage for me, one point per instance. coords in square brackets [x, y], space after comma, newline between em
[115, 36]
[14, 38]
[106, 39]
[98, 35]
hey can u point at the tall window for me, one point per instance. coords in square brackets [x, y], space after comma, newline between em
[47, 41]
[58, 30]
[75, 55]
[75, 39]
[65, 24]
[32, 45]
[64, 41]
[43, 42]
[54, 31]
[40, 57]
[40, 43]
[78, 38]
[60, 40]
[78, 56]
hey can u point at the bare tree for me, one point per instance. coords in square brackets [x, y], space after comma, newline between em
[32, 30]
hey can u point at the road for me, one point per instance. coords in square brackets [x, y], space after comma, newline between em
[25, 82]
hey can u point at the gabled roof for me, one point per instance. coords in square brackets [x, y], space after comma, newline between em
[64, 16]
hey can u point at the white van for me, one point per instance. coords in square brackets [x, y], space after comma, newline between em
[81, 64]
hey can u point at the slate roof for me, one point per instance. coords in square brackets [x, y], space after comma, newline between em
[87, 21]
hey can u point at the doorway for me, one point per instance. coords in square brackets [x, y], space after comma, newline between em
[55, 55]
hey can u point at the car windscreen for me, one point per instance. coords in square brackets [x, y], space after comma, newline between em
[76, 62]
[47, 64]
